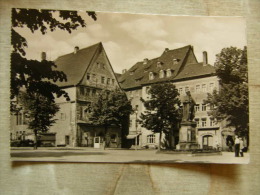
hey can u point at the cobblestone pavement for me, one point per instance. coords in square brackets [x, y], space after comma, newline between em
[121, 156]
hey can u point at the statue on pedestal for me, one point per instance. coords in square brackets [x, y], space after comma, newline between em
[188, 108]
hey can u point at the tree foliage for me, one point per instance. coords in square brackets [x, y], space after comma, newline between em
[32, 75]
[230, 103]
[36, 79]
[111, 108]
[163, 111]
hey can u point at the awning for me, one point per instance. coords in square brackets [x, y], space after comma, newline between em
[131, 136]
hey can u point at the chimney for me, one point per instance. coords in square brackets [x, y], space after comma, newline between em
[76, 49]
[166, 50]
[124, 71]
[43, 56]
[205, 58]
[145, 61]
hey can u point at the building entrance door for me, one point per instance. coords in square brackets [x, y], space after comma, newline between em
[207, 142]
[97, 142]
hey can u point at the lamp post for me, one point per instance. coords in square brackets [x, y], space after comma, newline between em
[136, 112]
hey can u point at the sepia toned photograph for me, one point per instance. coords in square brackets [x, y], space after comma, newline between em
[92, 86]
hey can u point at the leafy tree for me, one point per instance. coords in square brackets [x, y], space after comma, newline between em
[112, 108]
[37, 78]
[33, 75]
[163, 112]
[40, 112]
[230, 103]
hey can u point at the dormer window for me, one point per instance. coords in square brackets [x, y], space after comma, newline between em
[151, 76]
[168, 73]
[175, 61]
[162, 74]
[159, 64]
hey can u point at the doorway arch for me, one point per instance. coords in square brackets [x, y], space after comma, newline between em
[207, 142]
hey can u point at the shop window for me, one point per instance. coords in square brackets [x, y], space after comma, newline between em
[151, 139]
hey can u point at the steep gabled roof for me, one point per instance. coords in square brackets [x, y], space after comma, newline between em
[74, 65]
[138, 74]
[195, 70]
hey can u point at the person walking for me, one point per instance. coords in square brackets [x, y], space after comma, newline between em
[241, 146]
[237, 146]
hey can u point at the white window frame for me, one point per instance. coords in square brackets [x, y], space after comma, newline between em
[151, 139]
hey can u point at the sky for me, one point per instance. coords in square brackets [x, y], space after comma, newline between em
[129, 38]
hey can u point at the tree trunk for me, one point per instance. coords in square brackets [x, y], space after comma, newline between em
[105, 137]
[160, 140]
[35, 140]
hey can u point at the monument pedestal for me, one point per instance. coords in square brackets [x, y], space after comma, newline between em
[187, 136]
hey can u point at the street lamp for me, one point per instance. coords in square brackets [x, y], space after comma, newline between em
[136, 112]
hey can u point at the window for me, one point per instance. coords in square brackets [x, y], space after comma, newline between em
[147, 90]
[197, 88]
[187, 89]
[108, 81]
[159, 64]
[62, 116]
[203, 107]
[151, 139]
[180, 91]
[168, 73]
[87, 91]
[175, 61]
[137, 93]
[94, 91]
[161, 74]
[204, 122]
[67, 139]
[204, 88]
[113, 81]
[130, 123]
[197, 107]
[211, 87]
[151, 76]
[212, 122]
[102, 80]
[197, 120]
[88, 76]
[81, 90]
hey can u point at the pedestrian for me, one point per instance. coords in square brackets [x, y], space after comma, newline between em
[241, 145]
[237, 146]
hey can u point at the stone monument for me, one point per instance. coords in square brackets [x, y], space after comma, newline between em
[187, 133]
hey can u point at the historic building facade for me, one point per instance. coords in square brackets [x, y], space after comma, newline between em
[88, 72]
[181, 68]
